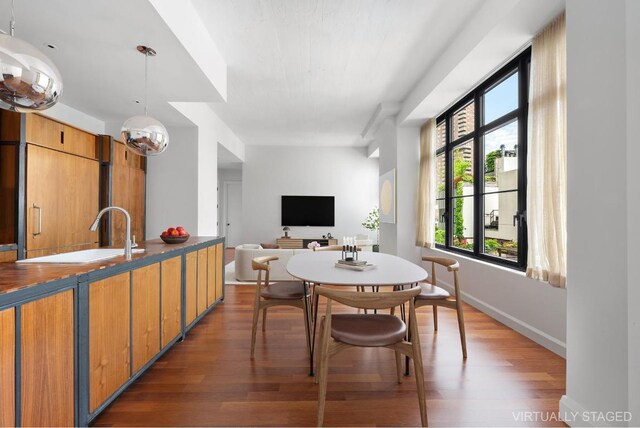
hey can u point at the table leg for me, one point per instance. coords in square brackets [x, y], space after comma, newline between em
[310, 322]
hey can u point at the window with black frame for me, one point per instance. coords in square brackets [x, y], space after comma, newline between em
[481, 160]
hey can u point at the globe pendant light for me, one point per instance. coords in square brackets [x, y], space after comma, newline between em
[145, 135]
[29, 81]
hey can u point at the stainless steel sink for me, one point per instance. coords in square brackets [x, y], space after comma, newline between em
[84, 256]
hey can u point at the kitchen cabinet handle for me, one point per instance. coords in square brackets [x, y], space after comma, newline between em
[35, 234]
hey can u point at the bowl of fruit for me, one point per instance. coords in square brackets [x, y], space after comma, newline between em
[175, 235]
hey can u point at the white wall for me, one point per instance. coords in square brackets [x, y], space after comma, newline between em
[74, 117]
[270, 172]
[211, 132]
[387, 139]
[224, 176]
[407, 175]
[633, 201]
[172, 184]
[597, 282]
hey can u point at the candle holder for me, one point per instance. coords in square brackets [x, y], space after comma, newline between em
[349, 253]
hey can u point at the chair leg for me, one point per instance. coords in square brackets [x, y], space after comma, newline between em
[264, 319]
[417, 364]
[307, 326]
[403, 316]
[463, 337]
[323, 369]
[399, 366]
[319, 355]
[435, 318]
[256, 311]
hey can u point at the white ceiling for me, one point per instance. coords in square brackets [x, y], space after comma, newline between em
[300, 72]
[312, 72]
[103, 73]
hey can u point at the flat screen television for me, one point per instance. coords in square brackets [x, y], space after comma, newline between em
[308, 211]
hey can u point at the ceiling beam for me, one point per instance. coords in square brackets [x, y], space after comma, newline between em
[183, 20]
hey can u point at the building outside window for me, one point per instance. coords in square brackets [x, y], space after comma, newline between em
[481, 145]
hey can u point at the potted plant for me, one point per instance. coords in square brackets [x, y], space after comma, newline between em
[372, 223]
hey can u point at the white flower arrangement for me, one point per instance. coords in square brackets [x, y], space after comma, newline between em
[313, 245]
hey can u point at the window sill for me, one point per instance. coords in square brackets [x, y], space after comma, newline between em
[453, 254]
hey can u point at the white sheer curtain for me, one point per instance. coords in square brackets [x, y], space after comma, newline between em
[427, 186]
[547, 157]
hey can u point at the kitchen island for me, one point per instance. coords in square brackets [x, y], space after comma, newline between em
[75, 336]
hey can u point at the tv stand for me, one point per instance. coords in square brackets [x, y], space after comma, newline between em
[299, 243]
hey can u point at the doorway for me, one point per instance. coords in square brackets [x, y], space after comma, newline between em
[233, 212]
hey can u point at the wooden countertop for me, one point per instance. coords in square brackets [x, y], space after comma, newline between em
[17, 276]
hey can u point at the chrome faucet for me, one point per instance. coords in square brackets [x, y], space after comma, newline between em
[127, 238]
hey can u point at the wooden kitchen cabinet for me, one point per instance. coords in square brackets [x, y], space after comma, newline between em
[43, 181]
[145, 320]
[211, 275]
[8, 193]
[65, 357]
[45, 132]
[47, 361]
[78, 142]
[219, 271]
[61, 201]
[215, 272]
[7, 367]
[191, 287]
[202, 280]
[127, 191]
[171, 296]
[109, 338]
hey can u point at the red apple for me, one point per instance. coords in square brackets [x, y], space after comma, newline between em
[170, 230]
[174, 233]
[164, 234]
[183, 232]
[179, 228]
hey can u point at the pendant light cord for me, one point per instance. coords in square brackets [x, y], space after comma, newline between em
[146, 78]
[12, 23]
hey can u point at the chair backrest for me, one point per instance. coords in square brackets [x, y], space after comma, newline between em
[369, 299]
[452, 265]
[262, 264]
[332, 248]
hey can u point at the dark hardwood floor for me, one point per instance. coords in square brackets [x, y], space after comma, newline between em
[209, 379]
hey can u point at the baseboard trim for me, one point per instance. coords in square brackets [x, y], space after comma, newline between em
[551, 343]
[571, 413]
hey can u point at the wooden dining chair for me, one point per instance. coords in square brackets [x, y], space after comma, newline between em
[289, 293]
[341, 331]
[432, 295]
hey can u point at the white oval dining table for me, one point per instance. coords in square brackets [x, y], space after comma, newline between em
[318, 268]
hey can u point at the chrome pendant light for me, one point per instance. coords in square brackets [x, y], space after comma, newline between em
[29, 81]
[145, 135]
